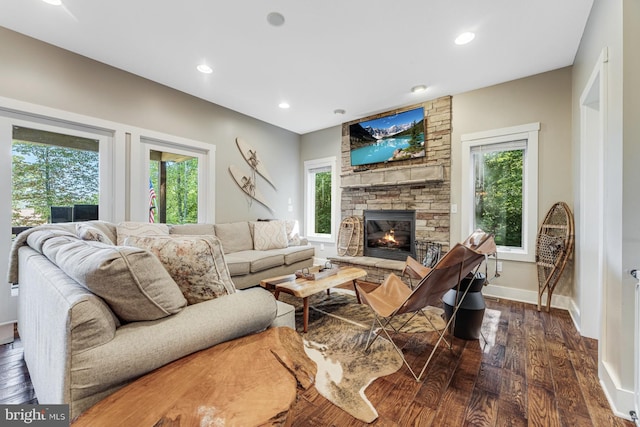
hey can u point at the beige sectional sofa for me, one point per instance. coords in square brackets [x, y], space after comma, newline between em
[248, 265]
[94, 315]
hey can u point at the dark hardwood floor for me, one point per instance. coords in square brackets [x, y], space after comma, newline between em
[533, 370]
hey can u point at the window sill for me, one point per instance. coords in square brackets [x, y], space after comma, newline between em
[515, 255]
[321, 239]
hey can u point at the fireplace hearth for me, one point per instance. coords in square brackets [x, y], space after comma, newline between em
[389, 234]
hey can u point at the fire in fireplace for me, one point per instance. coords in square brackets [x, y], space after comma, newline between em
[389, 233]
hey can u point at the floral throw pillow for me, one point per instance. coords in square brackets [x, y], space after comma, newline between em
[269, 235]
[195, 263]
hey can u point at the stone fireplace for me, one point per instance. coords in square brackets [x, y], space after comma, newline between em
[389, 234]
[422, 186]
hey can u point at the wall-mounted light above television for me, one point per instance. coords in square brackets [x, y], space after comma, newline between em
[391, 137]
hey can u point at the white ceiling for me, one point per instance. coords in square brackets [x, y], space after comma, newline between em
[362, 56]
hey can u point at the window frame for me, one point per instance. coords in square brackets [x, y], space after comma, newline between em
[142, 143]
[529, 133]
[106, 185]
[309, 199]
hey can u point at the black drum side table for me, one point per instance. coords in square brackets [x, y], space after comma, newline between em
[469, 317]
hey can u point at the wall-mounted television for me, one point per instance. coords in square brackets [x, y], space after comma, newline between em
[391, 137]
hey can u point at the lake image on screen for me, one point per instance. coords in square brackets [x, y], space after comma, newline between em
[381, 151]
[394, 137]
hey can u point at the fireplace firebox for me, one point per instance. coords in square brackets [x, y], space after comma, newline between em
[389, 234]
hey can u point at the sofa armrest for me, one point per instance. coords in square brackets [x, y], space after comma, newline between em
[56, 317]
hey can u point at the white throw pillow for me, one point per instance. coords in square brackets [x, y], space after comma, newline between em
[126, 229]
[269, 235]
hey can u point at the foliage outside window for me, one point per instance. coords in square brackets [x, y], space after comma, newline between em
[500, 188]
[320, 199]
[498, 182]
[180, 203]
[323, 202]
[50, 169]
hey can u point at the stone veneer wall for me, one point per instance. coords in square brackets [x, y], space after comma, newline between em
[423, 184]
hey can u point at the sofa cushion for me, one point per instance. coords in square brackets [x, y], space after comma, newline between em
[195, 263]
[193, 229]
[294, 254]
[126, 229]
[260, 260]
[235, 236]
[132, 281]
[238, 265]
[269, 235]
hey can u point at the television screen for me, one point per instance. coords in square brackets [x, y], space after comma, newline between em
[85, 212]
[61, 214]
[396, 136]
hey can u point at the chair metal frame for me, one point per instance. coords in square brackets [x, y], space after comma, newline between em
[463, 259]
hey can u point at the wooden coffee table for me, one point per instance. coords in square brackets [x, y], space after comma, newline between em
[303, 288]
[249, 381]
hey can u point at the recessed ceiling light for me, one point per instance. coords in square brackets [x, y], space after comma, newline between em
[465, 38]
[418, 89]
[339, 111]
[276, 19]
[284, 105]
[205, 69]
[53, 2]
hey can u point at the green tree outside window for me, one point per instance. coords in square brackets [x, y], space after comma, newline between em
[46, 175]
[323, 202]
[499, 195]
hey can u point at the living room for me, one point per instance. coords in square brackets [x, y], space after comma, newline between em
[46, 81]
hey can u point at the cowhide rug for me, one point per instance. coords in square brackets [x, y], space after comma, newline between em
[336, 338]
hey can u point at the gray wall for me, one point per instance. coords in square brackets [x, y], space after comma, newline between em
[42, 74]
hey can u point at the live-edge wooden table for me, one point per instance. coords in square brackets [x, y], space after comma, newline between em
[304, 288]
[249, 381]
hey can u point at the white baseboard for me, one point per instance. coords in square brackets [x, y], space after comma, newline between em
[574, 312]
[6, 333]
[523, 295]
[621, 400]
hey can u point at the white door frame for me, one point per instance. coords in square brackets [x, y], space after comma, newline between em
[13, 112]
[590, 236]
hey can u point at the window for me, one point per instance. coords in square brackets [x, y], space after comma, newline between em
[175, 181]
[55, 176]
[176, 177]
[320, 199]
[500, 175]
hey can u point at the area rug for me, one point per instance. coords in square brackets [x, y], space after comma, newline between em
[336, 338]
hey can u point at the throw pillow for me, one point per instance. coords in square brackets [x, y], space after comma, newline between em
[130, 280]
[126, 229]
[292, 232]
[88, 232]
[235, 236]
[269, 235]
[196, 263]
